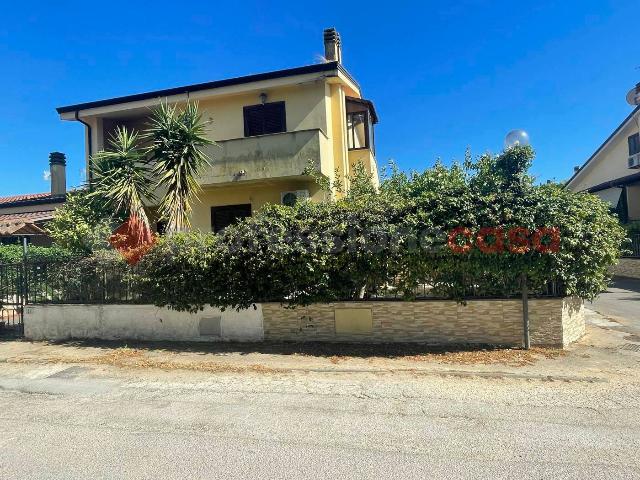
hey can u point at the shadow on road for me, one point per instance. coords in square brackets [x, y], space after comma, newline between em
[625, 283]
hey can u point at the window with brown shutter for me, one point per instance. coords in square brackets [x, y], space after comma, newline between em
[264, 119]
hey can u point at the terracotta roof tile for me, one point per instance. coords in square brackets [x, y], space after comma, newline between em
[28, 217]
[25, 197]
[20, 228]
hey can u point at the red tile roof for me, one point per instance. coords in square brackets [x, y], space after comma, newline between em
[28, 217]
[24, 223]
[20, 228]
[24, 198]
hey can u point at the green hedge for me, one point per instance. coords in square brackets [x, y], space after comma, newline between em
[396, 238]
[14, 254]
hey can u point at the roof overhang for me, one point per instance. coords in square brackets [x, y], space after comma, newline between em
[610, 195]
[332, 72]
[20, 228]
[368, 104]
[606, 143]
[53, 199]
[615, 183]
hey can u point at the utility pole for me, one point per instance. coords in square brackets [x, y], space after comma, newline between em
[525, 313]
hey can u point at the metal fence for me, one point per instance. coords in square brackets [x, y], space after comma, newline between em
[90, 282]
[634, 247]
[69, 282]
[12, 287]
[78, 282]
[436, 289]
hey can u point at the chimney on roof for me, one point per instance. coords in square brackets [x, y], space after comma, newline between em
[58, 166]
[332, 45]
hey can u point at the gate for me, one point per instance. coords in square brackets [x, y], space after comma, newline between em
[13, 288]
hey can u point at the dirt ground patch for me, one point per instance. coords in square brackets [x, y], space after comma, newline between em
[126, 357]
[511, 357]
[276, 358]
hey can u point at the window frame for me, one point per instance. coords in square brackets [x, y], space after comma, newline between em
[261, 106]
[238, 206]
[351, 133]
[354, 105]
[635, 139]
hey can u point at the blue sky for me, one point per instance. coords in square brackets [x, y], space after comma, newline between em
[444, 75]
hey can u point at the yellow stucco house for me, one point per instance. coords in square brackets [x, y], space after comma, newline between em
[613, 171]
[268, 127]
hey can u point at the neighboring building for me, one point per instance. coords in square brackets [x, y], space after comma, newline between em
[268, 128]
[24, 216]
[613, 171]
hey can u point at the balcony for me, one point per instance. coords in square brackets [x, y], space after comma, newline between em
[266, 157]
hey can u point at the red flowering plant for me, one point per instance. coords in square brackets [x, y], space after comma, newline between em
[133, 239]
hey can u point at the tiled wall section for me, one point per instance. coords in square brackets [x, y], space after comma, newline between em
[498, 322]
[572, 320]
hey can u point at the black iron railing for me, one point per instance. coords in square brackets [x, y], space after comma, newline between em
[69, 282]
[634, 246]
[89, 282]
[12, 288]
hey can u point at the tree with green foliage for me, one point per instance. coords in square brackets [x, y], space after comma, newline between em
[167, 156]
[83, 224]
[401, 236]
[121, 176]
[177, 138]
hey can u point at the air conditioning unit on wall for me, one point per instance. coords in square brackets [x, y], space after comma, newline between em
[634, 161]
[292, 197]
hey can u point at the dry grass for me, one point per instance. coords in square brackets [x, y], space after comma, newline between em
[507, 356]
[126, 357]
[145, 358]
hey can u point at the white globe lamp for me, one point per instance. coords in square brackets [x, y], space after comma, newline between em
[516, 138]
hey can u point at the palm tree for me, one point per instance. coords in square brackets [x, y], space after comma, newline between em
[128, 174]
[176, 140]
[122, 176]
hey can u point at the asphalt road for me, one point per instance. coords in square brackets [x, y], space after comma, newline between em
[80, 422]
[621, 301]
[94, 421]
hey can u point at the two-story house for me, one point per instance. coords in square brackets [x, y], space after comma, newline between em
[613, 171]
[268, 128]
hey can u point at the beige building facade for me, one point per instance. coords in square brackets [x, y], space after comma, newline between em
[613, 171]
[268, 129]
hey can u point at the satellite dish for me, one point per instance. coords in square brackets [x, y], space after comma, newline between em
[633, 97]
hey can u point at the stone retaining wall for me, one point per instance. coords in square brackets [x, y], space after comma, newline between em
[498, 322]
[493, 322]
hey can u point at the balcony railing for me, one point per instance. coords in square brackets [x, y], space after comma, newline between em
[265, 157]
